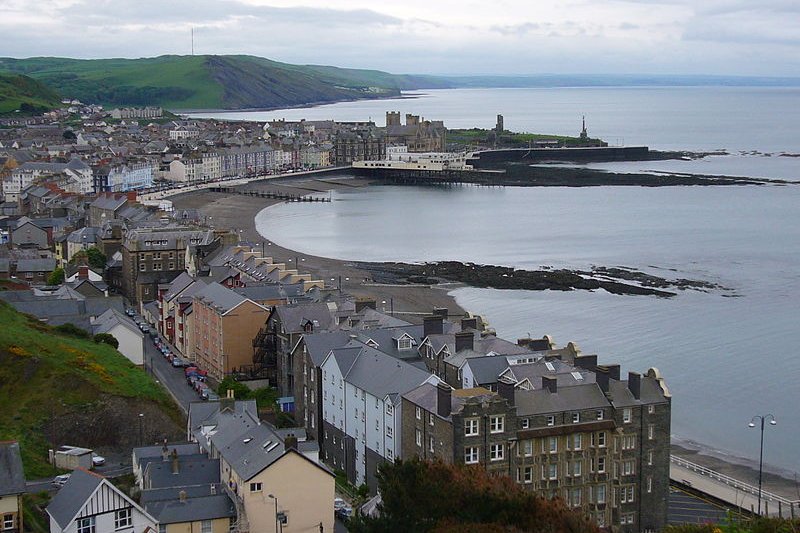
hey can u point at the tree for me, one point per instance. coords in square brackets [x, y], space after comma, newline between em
[56, 277]
[90, 256]
[106, 338]
[438, 497]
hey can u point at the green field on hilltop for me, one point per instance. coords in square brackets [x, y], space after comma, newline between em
[58, 389]
[23, 95]
[209, 81]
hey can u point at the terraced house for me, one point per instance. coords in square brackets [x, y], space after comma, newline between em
[571, 429]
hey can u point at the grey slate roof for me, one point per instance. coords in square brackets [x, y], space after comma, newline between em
[173, 511]
[293, 317]
[319, 345]
[36, 265]
[219, 297]
[486, 369]
[178, 284]
[247, 445]
[542, 401]
[112, 318]
[72, 496]
[12, 476]
[193, 470]
[155, 451]
[382, 375]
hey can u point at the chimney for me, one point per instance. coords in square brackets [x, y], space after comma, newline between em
[213, 489]
[506, 390]
[465, 340]
[228, 402]
[601, 377]
[440, 311]
[587, 362]
[364, 303]
[613, 371]
[635, 384]
[444, 399]
[550, 384]
[432, 325]
[469, 323]
[290, 442]
[176, 467]
[524, 342]
[131, 196]
[83, 272]
[182, 496]
[165, 452]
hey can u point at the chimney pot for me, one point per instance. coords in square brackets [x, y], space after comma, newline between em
[432, 325]
[506, 390]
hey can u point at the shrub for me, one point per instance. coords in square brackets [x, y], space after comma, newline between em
[106, 338]
[72, 330]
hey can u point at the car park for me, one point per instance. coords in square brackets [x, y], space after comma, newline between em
[61, 480]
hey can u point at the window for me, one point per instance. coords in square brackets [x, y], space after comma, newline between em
[156, 266]
[650, 457]
[599, 414]
[123, 519]
[430, 444]
[496, 452]
[651, 432]
[626, 415]
[430, 419]
[258, 487]
[626, 494]
[552, 444]
[627, 468]
[649, 484]
[628, 442]
[601, 465]
[525, 423]
[471, 427]
[576, 417]
[651, 409]
[205, 526]
[8, 521]
[389, 409]
[389, 431]
[551, 420]
[142, 267]
[527, 474]
[86, 525]
[552, 471]
[404, 344]
[601, 439]
[575, 497]
[527, 447]
[577, 467]
[577, 441]
[471, 455]
[389, 455]
[419, 413]
[601, 494]
[418, 438]
[496, 424]
[627, 518]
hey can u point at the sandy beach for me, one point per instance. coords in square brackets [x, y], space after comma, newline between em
[412, 302]
[238, 212]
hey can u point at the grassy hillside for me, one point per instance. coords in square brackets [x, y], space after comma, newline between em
[209, 82]
[57, 389]
[24, 95]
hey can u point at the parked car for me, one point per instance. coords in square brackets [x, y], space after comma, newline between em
[212, 396]
[338, 503]
[177, 362]
[153, 333]
[60, 481]
[98, 460]
[344, 513]
[199, 386]
[144, 327]
[130, 311]
[191, 380]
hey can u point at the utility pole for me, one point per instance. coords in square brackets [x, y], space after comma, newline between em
[192, 40]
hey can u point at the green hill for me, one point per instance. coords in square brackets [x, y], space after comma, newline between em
[210, 82]
[24, 95]
[59, 389]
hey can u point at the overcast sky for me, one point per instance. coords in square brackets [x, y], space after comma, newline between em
[736, 37]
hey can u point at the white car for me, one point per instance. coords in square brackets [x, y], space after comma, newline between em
[98, 460]
[60, 481]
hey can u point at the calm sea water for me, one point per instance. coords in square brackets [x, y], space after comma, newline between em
[725, 358]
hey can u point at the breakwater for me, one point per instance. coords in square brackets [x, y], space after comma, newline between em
[595, 154]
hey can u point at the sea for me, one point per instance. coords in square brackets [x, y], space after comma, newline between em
[727, 354]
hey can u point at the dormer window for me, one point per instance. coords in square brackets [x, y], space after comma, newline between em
[404, 343]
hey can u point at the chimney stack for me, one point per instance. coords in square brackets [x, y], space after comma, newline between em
[635, 384]
[176, 466]
[440, 311]
[290, 442]
[601, 377]
[182, 496]
[550, 384]
[469, 323]
[364, 303]
[83, 272]
[465, 340]
[613, 371]
[444, 397]
[432, 325]
[587, 362]
[506, 390]
[228, 402]
[131, 196]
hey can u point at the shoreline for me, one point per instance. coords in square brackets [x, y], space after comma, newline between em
[411, 301]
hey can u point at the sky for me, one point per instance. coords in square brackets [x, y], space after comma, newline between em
[725, 37]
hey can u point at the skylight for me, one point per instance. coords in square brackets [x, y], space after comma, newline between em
[550, 366]
[578, 376]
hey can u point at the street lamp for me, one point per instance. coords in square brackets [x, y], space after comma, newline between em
[141, 429]
[752, 424]
[277, 521]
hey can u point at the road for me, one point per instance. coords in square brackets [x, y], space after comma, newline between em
[170, 377]
[685, 508]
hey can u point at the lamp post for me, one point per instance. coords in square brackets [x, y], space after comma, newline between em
[276, 512]
[141, 429]
[762, 419]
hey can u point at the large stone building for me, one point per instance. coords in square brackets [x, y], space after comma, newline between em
[153, 256]
[570, 429]
[418, 134]
[358, 146]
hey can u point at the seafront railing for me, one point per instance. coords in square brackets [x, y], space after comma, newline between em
[731, 482]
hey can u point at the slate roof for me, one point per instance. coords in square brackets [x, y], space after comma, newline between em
[382, 375]
[173, 511]
[178, 284]
[72, 496]
[193, 470]
[293, 317]
[12, 476]
[221, 298]
[155, 451]
[542, 401]
[109, 202]
[36, 265]
[486, 369]
[247, 445]
[112, 318]
[319, 345]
